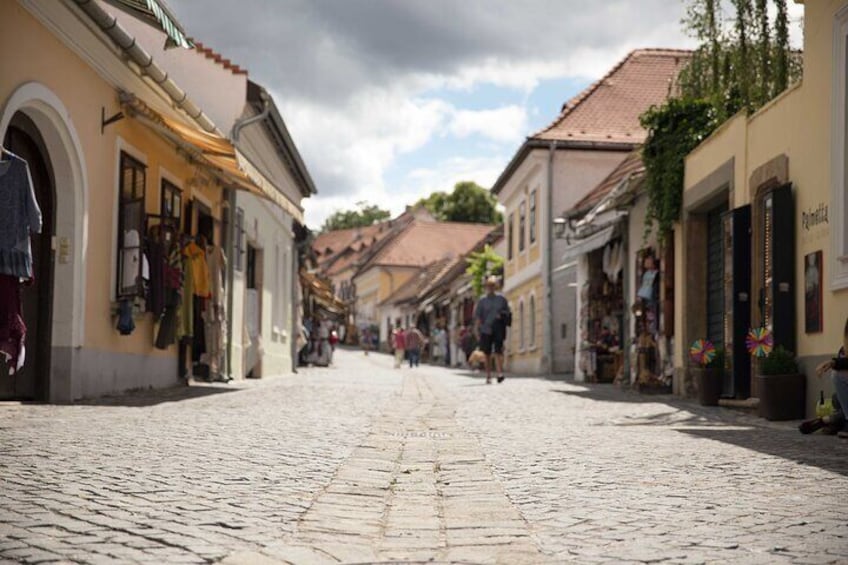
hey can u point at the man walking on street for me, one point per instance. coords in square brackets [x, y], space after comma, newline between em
[414, 341]
[491, 317]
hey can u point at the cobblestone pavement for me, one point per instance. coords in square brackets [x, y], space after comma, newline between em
[360, 464]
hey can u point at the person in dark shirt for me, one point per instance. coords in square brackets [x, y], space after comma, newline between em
[492, 316]
[839, 366]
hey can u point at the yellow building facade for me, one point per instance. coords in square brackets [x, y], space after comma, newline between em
[61, 82]
[795, 144]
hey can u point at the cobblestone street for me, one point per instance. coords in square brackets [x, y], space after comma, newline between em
[360, 463]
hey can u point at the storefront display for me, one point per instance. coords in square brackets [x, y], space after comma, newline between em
[601, 315]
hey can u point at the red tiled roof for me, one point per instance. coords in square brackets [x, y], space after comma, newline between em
[421, 282]
[339, 240]
[218, 58]
[608, 110]
[425, 242]
[631, 165]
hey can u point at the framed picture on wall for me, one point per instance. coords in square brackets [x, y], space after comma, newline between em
[813, 292]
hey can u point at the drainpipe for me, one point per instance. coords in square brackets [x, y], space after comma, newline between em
[240, 124]
[147, 66]
[547, 266]
[230, 197]
[625, 289]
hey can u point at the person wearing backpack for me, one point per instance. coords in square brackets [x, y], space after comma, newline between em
[492, 317]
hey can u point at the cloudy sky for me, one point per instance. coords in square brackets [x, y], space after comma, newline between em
[389, 100]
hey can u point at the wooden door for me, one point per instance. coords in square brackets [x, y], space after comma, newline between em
[32, 381]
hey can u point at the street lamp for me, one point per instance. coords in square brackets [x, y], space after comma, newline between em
[559, 227]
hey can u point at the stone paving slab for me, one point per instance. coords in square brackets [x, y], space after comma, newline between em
[360, 463]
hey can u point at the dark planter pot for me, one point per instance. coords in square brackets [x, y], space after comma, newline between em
[782, 397]
[710, 382]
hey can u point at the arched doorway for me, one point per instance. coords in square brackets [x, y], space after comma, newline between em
[32, 382]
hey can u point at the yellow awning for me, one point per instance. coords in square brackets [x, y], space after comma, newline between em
[214, 151]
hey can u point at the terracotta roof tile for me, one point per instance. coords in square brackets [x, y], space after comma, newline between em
[421, 282]
[424, 242]
[608, 110]
[217, 57]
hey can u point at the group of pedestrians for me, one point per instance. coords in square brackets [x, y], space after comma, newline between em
[407, 343]
[492, 317]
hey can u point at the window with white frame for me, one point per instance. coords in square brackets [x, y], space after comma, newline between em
[131, 191]
[839, 148]
[509, 234]
[521, 329]
[532, 216]
[279, 285]
[522, 224]
[172, 203]
[532, 321]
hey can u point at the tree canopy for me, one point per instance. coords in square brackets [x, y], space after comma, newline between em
[469, 202]
[365, 214]
[742, 62]
[481, 265]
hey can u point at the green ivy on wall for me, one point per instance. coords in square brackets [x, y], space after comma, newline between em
[674, 129]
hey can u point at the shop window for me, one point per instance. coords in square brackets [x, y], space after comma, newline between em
[532, 217]
[839, 164]
[509, 234]
[238, 251]
[171, 206]
[532, 321]
[130, 225]
[522, 224]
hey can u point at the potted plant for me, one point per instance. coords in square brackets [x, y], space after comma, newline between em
[710, 379]
[782, 388]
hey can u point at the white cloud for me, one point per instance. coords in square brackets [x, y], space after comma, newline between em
[351, 77]
[500, 124]
[348, 148]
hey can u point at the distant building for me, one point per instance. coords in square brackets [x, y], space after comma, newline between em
[552, 170]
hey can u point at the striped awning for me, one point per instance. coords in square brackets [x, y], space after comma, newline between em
[216, 152]
[156, 14]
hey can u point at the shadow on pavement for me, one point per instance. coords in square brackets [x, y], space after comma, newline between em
[781, 439]
[825, 452]
[611, 393]
[152, 397]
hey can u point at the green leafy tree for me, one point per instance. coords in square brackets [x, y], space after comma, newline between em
[482, 264]
[365, 214]
[434, 203]
[469, 202]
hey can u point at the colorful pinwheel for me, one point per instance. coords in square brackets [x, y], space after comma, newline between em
[759, 342]
[702, 351]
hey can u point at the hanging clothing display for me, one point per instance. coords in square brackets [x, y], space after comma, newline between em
[185, 326]
[196, 261]
[12, 327]
[19, 216]
[172, 271]
[215, 314]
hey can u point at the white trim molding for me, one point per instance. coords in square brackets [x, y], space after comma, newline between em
[839, 199]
